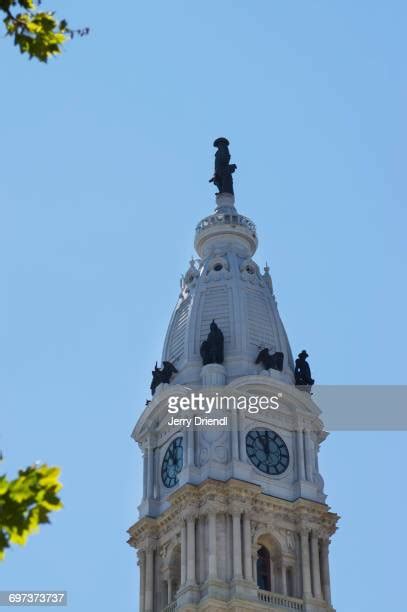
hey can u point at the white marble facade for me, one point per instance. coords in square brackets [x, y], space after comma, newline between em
[228, 536]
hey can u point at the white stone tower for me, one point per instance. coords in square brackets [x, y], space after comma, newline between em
[234, 518]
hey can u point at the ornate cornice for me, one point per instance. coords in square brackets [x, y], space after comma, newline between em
[145, 529]
[264, 511]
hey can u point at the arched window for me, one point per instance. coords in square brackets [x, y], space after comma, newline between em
[269, 564]
[263, 569]
[171, 572]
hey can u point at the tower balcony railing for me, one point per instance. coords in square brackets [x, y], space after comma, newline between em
[265, 597]
[280, 601]
[225, 219]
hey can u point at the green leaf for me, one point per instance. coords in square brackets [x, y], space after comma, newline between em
[27, 4]
[26, 501]
[3, 485]
[37, 33]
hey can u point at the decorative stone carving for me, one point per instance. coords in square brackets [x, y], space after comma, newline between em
[203, 455]
[163, 550]
[188, 280]
[253, 528]
[249, 271]
[290, 538]
[267, 278]
[214, 447]
[221, 454]
[216, 264]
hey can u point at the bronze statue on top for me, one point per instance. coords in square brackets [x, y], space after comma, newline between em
[302, 372]
[222, 177]
[212, 347]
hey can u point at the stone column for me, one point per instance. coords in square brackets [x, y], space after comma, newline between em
[185, 446]
[150, 469]
[308, 456]
[273, 576]
[300, 455]
[191, 447]
[169, 591]
[183, 553]
[254, 562]
[191, 550]
[305, 564]
[247, 548]
[145, 473]
[284, 578]
[242, 439]
[325, 578]
[142, 566]
[237, 546]
[149, 594]
[235, 435]
[316, 576]
[213, 574]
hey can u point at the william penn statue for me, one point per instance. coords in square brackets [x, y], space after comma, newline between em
[222, 177]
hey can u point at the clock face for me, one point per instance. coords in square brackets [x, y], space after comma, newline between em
[267, 451]
[172, 463]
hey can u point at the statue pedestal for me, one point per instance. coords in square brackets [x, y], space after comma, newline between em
[213, 375]
[225, 202]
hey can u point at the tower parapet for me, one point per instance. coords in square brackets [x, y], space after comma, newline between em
[225, 224]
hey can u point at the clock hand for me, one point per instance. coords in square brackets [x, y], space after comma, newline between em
[174, 458]
[263, 442]
[178, 463]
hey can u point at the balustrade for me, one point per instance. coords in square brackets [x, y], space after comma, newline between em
[226, 218]
[281, 601]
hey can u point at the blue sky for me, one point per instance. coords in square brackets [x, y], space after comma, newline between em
[105, 157]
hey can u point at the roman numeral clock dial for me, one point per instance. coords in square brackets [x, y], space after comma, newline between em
[267, 451]
[172, 463]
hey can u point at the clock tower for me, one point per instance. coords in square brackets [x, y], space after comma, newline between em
[234, 514]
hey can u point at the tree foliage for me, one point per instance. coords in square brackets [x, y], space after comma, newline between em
[36, 32]
[26, 502]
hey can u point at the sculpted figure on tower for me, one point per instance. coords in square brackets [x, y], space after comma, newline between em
[302, 371]
[162, 375]
[274, 361]
[222, 177]
[212, 347]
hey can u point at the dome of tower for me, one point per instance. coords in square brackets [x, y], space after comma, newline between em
[226, 285]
